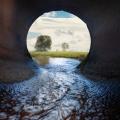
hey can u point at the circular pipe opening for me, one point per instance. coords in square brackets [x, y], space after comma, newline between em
[58, 34]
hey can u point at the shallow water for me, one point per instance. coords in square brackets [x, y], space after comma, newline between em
[60, 92]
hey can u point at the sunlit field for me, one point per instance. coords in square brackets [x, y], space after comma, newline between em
[65, 54]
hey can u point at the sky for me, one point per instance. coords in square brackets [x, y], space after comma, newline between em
[62, 27]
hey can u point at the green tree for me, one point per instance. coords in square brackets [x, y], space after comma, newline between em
[43, 43]
[65, 46]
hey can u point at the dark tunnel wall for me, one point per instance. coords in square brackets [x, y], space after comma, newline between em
[102, 19]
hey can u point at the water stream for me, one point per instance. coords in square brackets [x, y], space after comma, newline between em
[59, 92]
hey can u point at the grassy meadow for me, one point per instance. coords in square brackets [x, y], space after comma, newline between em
[65, 54]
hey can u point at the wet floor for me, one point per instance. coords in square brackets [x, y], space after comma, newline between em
[60, 92]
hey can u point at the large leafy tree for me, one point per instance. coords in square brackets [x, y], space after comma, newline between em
[43, 43]
[65, 46]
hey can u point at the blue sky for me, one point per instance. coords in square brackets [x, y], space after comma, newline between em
[62, 14]
[58, 14]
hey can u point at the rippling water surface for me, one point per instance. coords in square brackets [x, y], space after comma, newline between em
[60, 92]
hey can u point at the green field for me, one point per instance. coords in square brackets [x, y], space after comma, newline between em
[65, 54]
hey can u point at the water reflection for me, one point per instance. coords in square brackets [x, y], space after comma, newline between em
[41, 60]
[59, 92]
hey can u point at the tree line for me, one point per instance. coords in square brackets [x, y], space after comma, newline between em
[44, 43]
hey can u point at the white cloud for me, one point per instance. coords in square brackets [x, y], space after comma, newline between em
[43, 23]
[72, 16]
[49, 14]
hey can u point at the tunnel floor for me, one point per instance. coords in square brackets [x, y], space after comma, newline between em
[60, 92]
